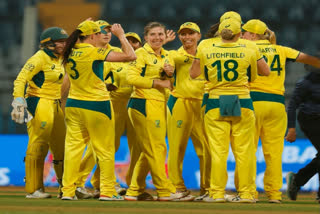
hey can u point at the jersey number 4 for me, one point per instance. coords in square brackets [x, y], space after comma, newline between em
[275, 64]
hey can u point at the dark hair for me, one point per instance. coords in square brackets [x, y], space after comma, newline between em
[70, 42]
[212, 32]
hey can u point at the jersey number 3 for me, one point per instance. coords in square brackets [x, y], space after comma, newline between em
[73, 68]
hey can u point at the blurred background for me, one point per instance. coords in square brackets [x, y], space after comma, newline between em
[296, 23]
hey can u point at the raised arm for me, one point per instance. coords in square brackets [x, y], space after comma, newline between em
[128, 53]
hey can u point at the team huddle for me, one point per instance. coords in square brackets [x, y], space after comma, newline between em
[84, 93]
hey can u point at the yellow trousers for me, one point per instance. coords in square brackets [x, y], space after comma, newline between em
[237, 130]
[148, 119]
[184, 119]
[89, 126]
[271, 125]
[46, 131]
[122, 124]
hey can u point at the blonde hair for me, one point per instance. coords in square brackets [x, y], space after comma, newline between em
[268, 35]
[227, 34]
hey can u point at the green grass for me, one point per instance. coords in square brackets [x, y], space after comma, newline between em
[15, 202]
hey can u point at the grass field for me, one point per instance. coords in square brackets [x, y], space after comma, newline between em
[12, 200]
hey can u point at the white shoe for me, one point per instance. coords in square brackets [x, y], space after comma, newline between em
[142, 197]
[186, 198]
[238, 199]
[113, 198]
[173, 196]
[69, 198]
[214, 200]
[120, 190]
[82, 193]
[275, 201]
[201, 197]
[229, 198]
[38, 194]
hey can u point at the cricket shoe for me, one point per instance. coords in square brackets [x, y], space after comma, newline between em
[238, 199]
[96, 193]
[274, 201]
[174, 196]
[69, 198]
[38, 194]
[82, 193]
[113, 198]
[201, 197]
[142, 197]
[214, 200]
[120, 190]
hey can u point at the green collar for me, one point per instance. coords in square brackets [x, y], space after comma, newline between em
[50, 53]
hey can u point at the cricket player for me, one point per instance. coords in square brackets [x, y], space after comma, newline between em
[89, 113]
[43, 74]
[183, 114]
[267, 93]
[229, 115]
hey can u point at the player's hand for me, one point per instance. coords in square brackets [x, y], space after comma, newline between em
[111, 87]
[159, 84]
[171, 35]
[117, 30]
[291, 135]
[168, 69]
[19, 113]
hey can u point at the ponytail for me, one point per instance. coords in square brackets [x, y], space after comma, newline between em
[71, 41]
[227, 34]
[213, 31]
[268, 35]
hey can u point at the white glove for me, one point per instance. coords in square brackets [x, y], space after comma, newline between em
[19, 113]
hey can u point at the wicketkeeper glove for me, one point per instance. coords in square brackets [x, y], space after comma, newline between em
[19, 113]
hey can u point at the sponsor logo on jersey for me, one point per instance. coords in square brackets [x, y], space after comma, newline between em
[43, 124]
[157, 123]
[179, 123]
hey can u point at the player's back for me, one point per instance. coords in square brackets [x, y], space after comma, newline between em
[276, 56]
[85, 70]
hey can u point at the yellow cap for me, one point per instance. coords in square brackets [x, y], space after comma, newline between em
[255, 26]
[88, 28]
[134, 35]
[230, 24]
[189, 25]
[103, 24]
[231, 15]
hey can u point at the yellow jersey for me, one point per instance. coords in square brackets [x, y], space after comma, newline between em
[85, 67]
[148, 67]
[44, 74]
[184, 86]
[211, 42]
[276, 56]
[229, 67]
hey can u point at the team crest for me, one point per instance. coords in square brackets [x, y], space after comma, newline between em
[29, 67]
[155, 61]
[53, 66]
[63, 32]
[179, 123]
[157, 122]
[186, 60]
[119, 69]
[43, 124]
